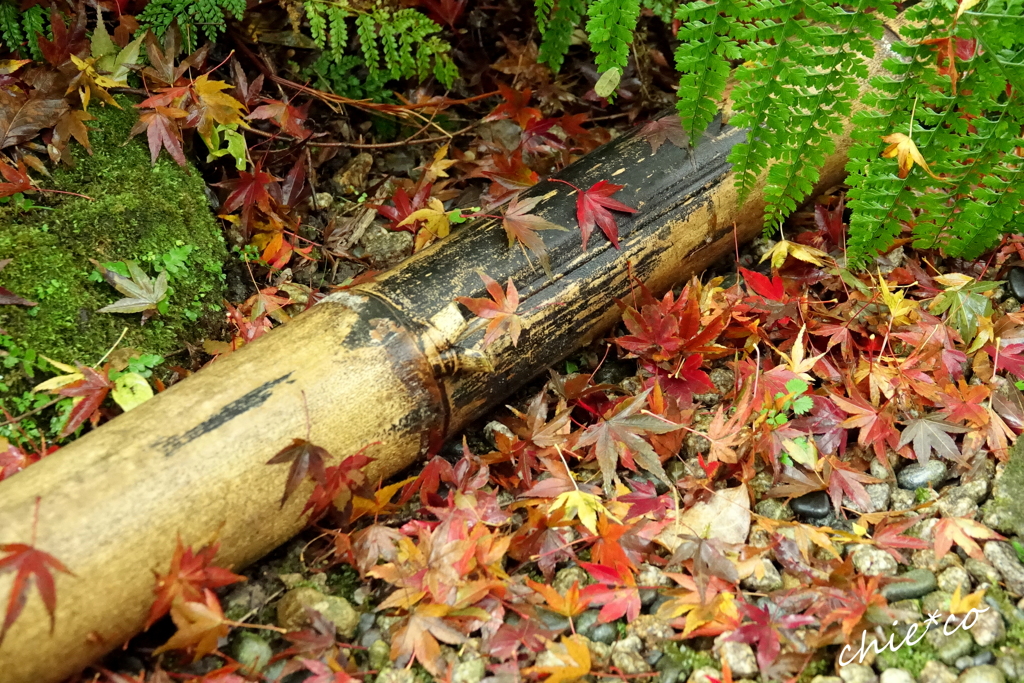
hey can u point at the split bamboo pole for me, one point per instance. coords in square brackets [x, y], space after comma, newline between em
[395, 362]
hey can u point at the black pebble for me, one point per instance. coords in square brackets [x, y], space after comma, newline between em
[1017, 283]
[815, 505]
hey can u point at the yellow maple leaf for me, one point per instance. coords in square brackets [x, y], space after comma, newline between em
[438, 167]
[216, 106]
[966, 5]
[90, 83]
[51, 385]
[906, 153]
[899, 307]
[797, 361]
[582, 506]
[963, 605]
[435, 220]
[574, 656]
[785, 248]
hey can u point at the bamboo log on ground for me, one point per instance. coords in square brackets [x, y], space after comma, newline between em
[395, 362]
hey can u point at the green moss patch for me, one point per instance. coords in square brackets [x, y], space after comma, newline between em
[156, 215]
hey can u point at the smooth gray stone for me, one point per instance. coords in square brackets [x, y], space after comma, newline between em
[916, 475]
[815, 505]
[921, 583]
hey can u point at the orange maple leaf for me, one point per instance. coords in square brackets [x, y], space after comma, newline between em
[200, 626]
[569, 605]
[500, 309]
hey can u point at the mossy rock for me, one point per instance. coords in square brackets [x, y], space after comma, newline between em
[140, 211]
[1005, 511]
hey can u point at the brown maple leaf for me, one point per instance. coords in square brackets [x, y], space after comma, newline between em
[521, 225]
[306, 458]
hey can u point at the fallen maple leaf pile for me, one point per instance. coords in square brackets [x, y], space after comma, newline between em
[648, 502]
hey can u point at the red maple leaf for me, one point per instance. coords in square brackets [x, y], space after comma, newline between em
[616, 590]
[771, 289]
[510, 172]
[889, 535]
[30, 565]
[592, 208]
[877, 425]
[249, 189]
[17, 179]
[306, 458]
[190, 574]
[345, 476]
[523, 226]
[404, 206]
[764, 632]
[290, 119]
[843, 479]
[91, 389]
[514, 107]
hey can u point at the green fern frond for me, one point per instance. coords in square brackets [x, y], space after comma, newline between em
[708, 37]
[557, 29]
[193, 17]
[19, 29]
[610, 29]
[393, 44]
[968, 138]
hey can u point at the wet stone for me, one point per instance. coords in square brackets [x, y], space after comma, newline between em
[1017, 282]
[917, 475]
[586, 622]
[815, 505]
[921, 583]
[604, 633]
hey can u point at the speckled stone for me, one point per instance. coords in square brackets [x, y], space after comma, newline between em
[740, 657]
[952, 578]
[857, 673]
[896, 676]
[872, 561]
[1004, 558]
[936, 672]
[982, 674]
[988, 629]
